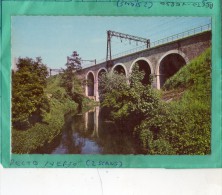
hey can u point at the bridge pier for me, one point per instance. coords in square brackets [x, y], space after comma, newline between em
[96, 90]
[157, 84]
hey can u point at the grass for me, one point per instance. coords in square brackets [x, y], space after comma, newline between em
[183, 125]
[193, 109]
[45, 132]
[195, 75]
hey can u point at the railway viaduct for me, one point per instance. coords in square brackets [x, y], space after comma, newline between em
[161, 61]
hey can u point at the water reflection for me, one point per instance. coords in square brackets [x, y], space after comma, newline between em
[92, 133]
[92, 121]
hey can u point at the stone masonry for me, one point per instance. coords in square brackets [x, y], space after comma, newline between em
[188, 48]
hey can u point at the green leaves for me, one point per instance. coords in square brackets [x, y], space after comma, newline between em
[128, 99]
[180, 126]
[42, 133]
[39, 105]
[198, 72]
[69, 81]
[28, 98]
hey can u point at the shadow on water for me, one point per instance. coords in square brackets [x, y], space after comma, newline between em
[91, 133]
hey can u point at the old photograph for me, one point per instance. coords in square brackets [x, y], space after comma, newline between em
[111, 85]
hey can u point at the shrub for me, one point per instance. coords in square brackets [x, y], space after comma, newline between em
[57, 94]
[177, 127]
[182, 126]
[42, 133]
[29, 102]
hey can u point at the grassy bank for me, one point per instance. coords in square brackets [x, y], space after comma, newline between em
[45, 132]
[51, 126]
[182, 124]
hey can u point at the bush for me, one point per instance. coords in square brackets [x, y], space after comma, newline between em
[42, 133]
[128, 100]
[29, 102]
[183, 126]
[57, 94]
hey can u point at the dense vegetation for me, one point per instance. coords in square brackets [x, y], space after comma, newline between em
[34, 96]
[173, 121]
[44, 132]
[29, 102]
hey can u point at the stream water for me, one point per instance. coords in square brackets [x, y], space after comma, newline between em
[92, 133]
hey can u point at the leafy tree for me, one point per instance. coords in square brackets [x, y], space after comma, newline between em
[128, 100]
[70, 81]
[183, 126]
[180, 126]
[74, 62]
[69, 77]
[29, 103]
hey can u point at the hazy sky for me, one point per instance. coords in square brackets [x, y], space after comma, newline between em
[55, 37]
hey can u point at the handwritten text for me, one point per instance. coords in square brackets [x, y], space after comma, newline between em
[101, 163]
[66, 163]
[136, 3]
[201, 4]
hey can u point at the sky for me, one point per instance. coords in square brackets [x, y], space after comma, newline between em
[53, 38]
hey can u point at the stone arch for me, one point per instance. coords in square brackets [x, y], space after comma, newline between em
[90, 78]
[145, 59]
[145, 65]
[181, 58]
[99, 71]
[121, 67]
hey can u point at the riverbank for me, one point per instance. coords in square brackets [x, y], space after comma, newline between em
[175, 120]
[182, 124]
[45, 132]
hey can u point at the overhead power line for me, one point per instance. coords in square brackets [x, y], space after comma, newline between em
[111, 34]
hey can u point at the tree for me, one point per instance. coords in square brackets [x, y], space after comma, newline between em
[74, 62]
[69, 80]
[128, 101]
[29, 102]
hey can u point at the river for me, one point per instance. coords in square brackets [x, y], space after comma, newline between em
[92, 133]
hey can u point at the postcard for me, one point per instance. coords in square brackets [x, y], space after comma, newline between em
[116, 84]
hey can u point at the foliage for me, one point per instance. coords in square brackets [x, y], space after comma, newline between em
[69, 80]
[42, 133]
[29, 102]
[54, 84]
[54, 90]
[46, 132]
[113, 89]
[57, 91]
[128, 100]
[181, 126]
[30, 82]
[197, 73]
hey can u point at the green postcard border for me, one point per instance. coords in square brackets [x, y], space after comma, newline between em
[70, 8]
[1, 118]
